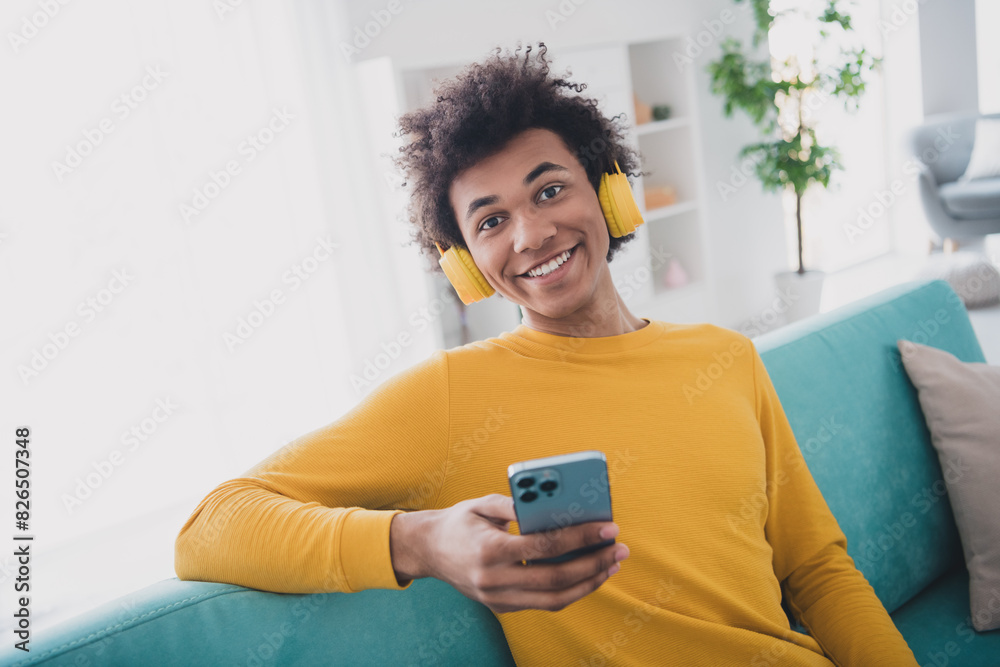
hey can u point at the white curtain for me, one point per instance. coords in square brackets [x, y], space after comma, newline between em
[195, 258]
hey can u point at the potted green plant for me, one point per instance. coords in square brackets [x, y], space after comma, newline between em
[774, 95]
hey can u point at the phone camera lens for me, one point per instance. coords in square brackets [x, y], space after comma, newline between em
[528, 496]
[525, 482]
[548, 485]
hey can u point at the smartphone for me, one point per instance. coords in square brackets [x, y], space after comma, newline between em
[558, 491]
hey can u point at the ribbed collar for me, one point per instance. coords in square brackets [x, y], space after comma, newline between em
[547, 344]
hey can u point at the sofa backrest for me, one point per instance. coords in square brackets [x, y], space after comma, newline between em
[944, 143]
[858, 422]
[854, 414]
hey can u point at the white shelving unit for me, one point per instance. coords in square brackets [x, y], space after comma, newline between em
[671, 155]
[670, 151]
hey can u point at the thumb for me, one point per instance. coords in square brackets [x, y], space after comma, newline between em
[496, 507]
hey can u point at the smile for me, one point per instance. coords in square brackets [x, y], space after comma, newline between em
[546, 273]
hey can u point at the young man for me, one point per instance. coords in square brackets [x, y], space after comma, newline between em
[715, 509]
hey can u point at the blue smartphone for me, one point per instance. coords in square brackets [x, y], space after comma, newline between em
[558, 491]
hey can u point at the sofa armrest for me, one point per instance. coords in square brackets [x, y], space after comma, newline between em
[190, 623]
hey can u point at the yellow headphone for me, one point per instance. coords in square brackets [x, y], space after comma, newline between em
[620, 212]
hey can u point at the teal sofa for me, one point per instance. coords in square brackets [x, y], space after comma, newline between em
[857, 420]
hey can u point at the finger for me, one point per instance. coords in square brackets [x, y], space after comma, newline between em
[496, 507]
[515, 600]
[560, 576]
[557, 541]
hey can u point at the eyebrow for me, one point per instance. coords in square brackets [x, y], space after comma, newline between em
[488, 200]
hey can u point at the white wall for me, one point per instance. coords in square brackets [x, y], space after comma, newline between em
[948, 56]
[988, 49]
[747, 239]
[904, 109]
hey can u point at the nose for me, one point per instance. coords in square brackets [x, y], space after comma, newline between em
[532, 230]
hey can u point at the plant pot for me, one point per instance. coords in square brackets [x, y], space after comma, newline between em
[801, 292]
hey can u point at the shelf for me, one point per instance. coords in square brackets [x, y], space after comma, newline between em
[657, 80]
[660, 125]
[668, 211]
[667, 159]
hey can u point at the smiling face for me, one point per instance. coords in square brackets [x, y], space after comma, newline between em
[525, 205]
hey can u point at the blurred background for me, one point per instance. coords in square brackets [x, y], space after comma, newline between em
[204, 255]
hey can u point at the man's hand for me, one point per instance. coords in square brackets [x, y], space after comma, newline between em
[468, 546]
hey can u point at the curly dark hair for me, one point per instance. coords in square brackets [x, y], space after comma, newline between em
[476, 114]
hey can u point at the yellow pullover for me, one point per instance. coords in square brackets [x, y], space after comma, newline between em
[709, 488]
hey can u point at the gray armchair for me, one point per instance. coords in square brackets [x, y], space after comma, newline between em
[961, 211]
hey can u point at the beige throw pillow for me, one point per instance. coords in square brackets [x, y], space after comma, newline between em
[961, 404]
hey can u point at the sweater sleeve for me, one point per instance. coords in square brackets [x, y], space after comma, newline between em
[314, 516]
[826, 592]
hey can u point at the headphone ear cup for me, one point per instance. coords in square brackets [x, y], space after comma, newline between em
[618, 204]
[611, 215]
[468, 281]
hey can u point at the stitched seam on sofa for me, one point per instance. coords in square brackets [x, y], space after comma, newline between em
[100, 633]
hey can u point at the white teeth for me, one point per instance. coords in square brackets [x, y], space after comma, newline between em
[546, 269]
